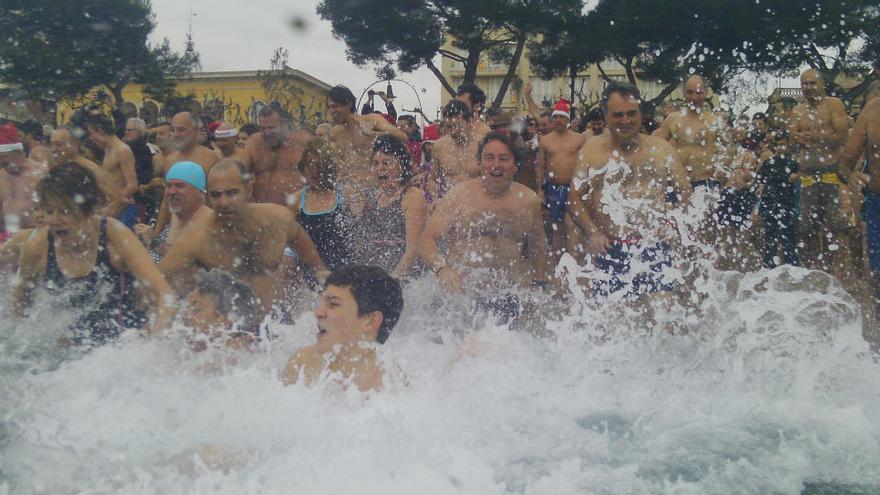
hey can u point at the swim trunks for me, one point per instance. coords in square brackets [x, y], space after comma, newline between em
[629, 266]
[820, 204]
[132, 215]
[556, 200]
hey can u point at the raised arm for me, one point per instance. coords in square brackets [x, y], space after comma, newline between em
[382, 126]
[429, 245]
[534, 109]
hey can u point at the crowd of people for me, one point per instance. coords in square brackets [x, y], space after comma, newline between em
[241, 222]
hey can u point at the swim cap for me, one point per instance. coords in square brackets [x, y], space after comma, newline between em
[190, 172]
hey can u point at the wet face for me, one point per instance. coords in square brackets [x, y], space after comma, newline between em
[497, 167]
[338, 320]
[226, 145]
[241, 139]
[312, 171]
[163, 134]
[227, 193]
[812, 85]
[202, 316]
[97, 136]
[597, 126]
[623, 117]
[466, 99]
[455, 126]
[183, 132]
[531, 128]
[63, 147]
[132, 133]
[339, 111]
[559, 122]
[273, 129]
[406, 126]
[183, 197]
[203, 136]
[64, 221]
[386, 169]
[695, 92]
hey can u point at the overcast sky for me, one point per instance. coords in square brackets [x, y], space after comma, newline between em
[236, 35]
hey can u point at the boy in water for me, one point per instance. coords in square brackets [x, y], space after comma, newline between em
[221, 310]
[359, 308]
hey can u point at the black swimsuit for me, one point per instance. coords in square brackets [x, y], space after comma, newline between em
[105, 296]
[330, 230]
[385, 234]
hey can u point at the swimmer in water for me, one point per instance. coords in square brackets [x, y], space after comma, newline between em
[358, 309]
[221, 311]
[89, 262]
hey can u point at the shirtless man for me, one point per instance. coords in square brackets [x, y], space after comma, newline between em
[359, 307]
[244, 239]
[454, 154]
[693, 133]
[118, 168]
[66, 148]
[619, 198]
[595, 123]
[353, 135]
[865, 139]
[184, 138]
[273, 156]
[32, 138]
[557, 161]
[819, 128]
[19, 176]
[493, 232]
[474, 97]
[226, 141]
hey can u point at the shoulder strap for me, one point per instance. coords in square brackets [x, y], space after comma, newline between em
[302, 198]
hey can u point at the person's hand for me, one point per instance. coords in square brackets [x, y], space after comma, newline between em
[527, 90]
[144, 233]
[450, 280]
[858, 180]
[805, 137]
[322, 275]
[599, 243]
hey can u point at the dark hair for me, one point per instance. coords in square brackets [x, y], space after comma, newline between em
[475, 94]
[250, 128]
[341, 94]
[101, 122]
[624, 89]
[373, 290]
[275, 107]
[71, 186]
[33, 128]
[455, 107]
[760, 116]
[596, 114]
[320, 151]
[233, 299]
[393, 146]
[504, 138]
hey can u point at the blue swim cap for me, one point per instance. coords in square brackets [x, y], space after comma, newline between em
[189, 172]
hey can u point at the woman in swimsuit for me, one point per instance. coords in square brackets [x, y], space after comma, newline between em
[394, 217]
[322, 205]
[89, 263]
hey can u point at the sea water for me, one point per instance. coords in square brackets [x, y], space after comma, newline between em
[766, 387]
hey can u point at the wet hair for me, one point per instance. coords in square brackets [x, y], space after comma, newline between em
[341, 94]
[760, 116]
[72, 187]
[250, 128]
[33, 128]
[455, 107]
[595, 114]
[475, 94]
[624, 89]
[101, 122]
[233, 299]
[504, 138]
[320, 151]
[393, 146]
[373, 290]
[275, 107]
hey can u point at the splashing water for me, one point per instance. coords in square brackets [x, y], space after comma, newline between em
[767, 388]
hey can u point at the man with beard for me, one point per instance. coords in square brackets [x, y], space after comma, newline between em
[226, 142]
[496, 217]
[19, 176]
[118, 167]
[455, 153]
[273, 155]
[353, 135]
[620, 199]
[595, 122]
[557, 160]
[184, 138]
[819, 129]
[242, 238]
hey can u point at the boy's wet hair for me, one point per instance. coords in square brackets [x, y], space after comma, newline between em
[475, 94]
[72, 187]
[504, 138]
[373, 290]
[457, 108]
[341, 94]
[233, 299]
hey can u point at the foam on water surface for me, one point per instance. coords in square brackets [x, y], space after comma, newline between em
[768, 388]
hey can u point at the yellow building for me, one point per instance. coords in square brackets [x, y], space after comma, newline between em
[235, 97]
[588, 84]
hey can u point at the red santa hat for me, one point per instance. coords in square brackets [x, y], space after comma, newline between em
[563, 108]
[431, 133]
[9, 140]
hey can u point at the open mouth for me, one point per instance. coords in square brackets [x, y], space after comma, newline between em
[321, 332]
[496, 173]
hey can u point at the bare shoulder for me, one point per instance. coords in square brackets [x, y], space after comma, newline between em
[834, 103]
[654, 143]
[413, 197]
[525, 195]
[270, 213]
[301, 138]
[302, 365]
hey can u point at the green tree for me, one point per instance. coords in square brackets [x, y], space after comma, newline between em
[410, 33]
[56, 50]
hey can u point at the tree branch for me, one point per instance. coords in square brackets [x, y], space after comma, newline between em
[452, 55]
[440, 77]
[511, 71]
[602, 73]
